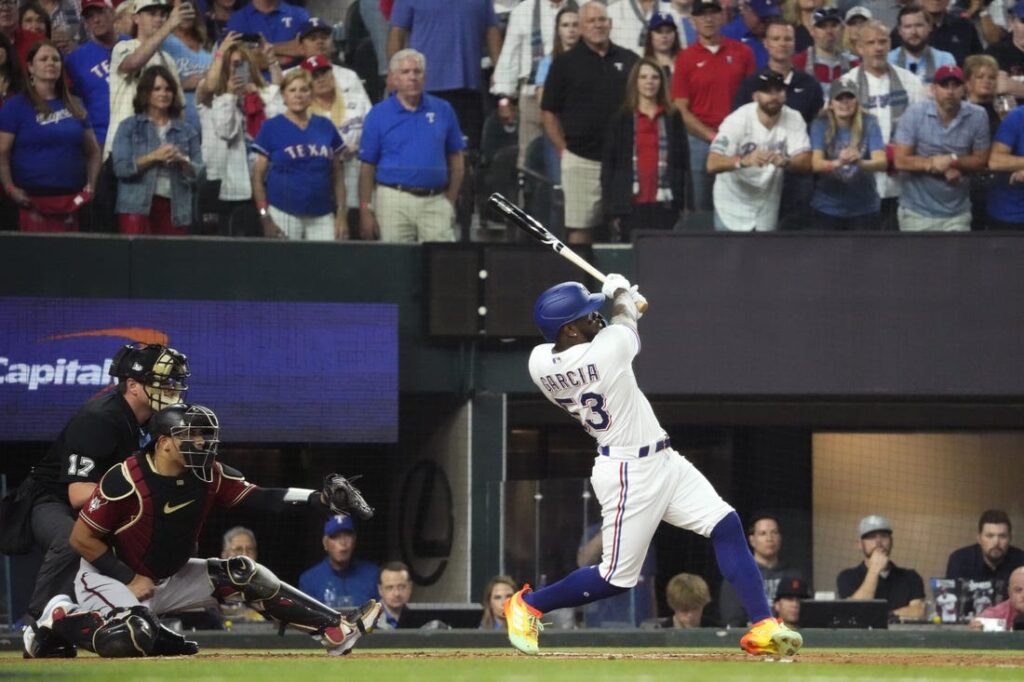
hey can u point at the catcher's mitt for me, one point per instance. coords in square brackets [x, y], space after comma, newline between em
[345, 498]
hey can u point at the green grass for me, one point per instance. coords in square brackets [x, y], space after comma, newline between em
[635, 665]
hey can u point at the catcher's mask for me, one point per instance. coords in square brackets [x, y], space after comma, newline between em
[162, 371]
[196, 430]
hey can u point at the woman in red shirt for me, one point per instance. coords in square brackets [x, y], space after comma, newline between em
[645, 161]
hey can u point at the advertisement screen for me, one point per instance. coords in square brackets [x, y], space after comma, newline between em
[273, 372]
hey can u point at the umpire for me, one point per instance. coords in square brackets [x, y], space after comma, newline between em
[103, 433]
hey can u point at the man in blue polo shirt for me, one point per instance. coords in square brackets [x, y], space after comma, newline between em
[279, 23]
[451, 37]
[936, 143]
[412, 151]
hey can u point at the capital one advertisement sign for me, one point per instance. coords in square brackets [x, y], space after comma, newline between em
[273, 372]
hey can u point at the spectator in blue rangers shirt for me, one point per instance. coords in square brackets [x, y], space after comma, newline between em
[452, 41]
[935, 144]
[346, 103]
[1006, 196]
[846, 150]
[88, 67]
[157, 159]
[340, 581]
[277, 21]
[412, 150]
[49, 158]
[298, 178]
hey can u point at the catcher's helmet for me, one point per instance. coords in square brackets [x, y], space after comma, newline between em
[162, 371]
[198, 430]
[561, 304]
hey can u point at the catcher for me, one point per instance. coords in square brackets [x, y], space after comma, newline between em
[136, 536]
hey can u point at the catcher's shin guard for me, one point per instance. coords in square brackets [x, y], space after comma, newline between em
[170, 643]
[123, 633]
[264, 591]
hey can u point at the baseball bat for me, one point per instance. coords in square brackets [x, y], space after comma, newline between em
[531, 226]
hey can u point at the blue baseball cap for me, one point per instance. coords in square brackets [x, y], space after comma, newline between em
[824, 15]
[659, 19]
[339, 523]
[705, 7]
[765, 8]
[1018, 10]
[314, 25]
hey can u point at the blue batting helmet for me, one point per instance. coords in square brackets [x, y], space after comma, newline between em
[561, 304]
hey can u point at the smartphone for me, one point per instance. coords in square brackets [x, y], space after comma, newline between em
[251, 40]
[243, 72]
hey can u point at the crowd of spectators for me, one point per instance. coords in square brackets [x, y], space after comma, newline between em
[655, 114]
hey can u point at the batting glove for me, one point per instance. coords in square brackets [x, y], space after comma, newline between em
[638, 300]
[613, 283]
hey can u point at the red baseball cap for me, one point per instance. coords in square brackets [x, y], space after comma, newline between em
[945, 73]
[102, 4]
[316, 63]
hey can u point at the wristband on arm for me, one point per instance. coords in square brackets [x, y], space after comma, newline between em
[110, 565]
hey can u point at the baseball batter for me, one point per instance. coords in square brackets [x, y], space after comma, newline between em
[136, 536]
[639, 480]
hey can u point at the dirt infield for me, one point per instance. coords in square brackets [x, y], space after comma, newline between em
[874, 657]
[931, 658]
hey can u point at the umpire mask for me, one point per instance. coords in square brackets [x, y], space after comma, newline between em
[163, 372]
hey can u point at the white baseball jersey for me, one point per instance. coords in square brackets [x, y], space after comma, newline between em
[637, 481]
[748, 198]
[595, 383]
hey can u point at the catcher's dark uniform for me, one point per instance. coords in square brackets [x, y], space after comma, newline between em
[101, 434]
[152, 523]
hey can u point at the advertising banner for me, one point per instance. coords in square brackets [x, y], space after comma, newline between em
[273, 372]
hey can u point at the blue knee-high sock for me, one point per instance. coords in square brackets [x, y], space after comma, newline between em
[738, 566]
[580, 587]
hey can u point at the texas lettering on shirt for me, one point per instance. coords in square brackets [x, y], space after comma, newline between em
[305, 151]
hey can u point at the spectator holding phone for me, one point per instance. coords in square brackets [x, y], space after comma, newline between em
[49, 158]
[192, 50]
[298, 177]
[157, 159]
[240, 102]
[154, 21]
[278, 22]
